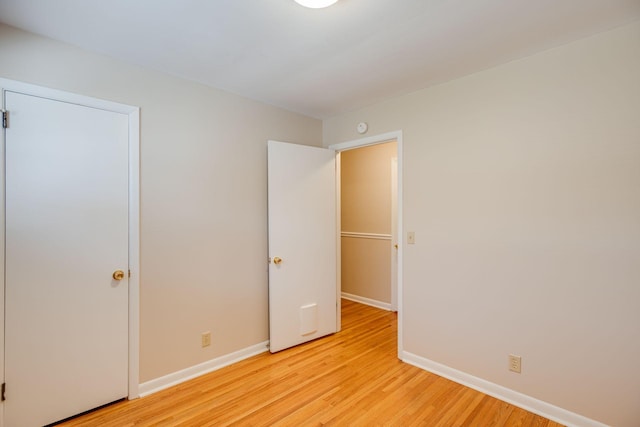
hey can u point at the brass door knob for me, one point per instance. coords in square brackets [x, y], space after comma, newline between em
[277, 260]
[118, 275]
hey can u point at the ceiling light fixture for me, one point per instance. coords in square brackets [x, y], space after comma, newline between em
[316, 4]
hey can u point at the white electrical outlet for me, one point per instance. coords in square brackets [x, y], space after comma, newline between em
[206, 339]
[515, 363]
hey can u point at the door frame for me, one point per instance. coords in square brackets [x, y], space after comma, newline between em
[395, 248]
[359, 143]
[133, 114]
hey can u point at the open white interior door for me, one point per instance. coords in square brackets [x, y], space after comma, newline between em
[302, 244]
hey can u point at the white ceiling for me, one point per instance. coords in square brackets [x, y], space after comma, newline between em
[319, 62]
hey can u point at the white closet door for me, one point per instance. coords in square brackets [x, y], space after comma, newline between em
[66, 234]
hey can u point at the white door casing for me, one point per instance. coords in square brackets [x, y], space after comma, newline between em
[71, 220]
[302, 234]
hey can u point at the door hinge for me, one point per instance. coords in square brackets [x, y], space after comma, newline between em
[4, 387]
[5, 119]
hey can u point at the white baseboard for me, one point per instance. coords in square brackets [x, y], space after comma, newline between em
[178, 377]
[367, 301]
[513, 397]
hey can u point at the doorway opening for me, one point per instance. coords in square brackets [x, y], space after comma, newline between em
[369, 195]
[367, 236]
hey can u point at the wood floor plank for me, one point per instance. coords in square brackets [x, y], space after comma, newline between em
[352, 378]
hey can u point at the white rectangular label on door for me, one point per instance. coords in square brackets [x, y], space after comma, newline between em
[308, 319]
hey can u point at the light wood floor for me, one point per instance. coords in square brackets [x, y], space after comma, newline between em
[352, 378]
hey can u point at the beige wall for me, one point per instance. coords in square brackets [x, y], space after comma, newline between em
[366, 268]
[203, 196]
[522, 185]
[365, 186]
[365, 181]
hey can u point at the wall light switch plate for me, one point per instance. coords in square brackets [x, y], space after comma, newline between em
[411, 238]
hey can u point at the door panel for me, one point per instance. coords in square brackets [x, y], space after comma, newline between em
[66, 341]
[302, 234]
